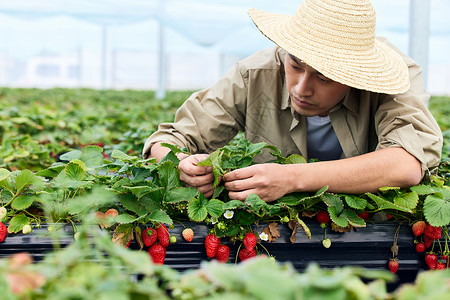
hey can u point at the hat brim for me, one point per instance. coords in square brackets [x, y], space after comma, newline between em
[377, 69]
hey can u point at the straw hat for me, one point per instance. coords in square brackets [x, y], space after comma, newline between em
[337, 38]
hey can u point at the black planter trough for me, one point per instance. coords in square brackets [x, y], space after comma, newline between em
[368, 247]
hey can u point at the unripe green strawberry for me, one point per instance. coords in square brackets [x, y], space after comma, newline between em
[26, 229]
[188, 234]
[3, 232]
[223, 253]
[326, 243]
[3, 212]
[173, 239]
[149, 236]
[250, 240]
[163, 235]
[157, 253]
[212, 243]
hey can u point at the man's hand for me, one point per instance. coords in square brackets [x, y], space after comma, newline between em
[268, 181]
[195, 176]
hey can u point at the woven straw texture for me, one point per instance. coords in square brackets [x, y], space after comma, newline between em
[337, 38]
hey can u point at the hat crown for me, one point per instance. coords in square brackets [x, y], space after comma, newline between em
[348, 24]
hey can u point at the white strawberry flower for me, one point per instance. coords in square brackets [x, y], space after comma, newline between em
[264, 236]
[228, 214]
[214, 220]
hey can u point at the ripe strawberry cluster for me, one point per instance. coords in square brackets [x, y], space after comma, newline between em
[215, 249]
[156, 239]
[425, 237]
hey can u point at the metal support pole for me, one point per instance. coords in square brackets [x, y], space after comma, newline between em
[419, 34]
[161, 91]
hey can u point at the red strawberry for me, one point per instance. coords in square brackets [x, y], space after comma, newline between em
[433, 232]
[212, 243]
[431, 260]
[322, 217]
[149, 236]
[250, 240]
[393, 265]
[157, 253]
[188, 234]
[223, 253]
[246, 254]
[441, 266]
[364, 215]
[420, 247]
[163, 235]
[427, 241]
[418, 228]
[444, 257]
[3, 232]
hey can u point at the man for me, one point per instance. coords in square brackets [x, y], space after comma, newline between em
[331, 90]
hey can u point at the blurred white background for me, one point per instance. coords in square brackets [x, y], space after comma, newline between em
[117, 44]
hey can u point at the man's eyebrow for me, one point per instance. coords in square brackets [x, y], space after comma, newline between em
[301, 62]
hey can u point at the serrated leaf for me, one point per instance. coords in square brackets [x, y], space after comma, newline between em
[181, 194]
[389, 188]
[125, 218]
[117, 154]
[23, 202]
[4, 173]
[214, 207]
[408, 200]
[233, 204]
[129, 202]
[75, 154]
[352, 218]
[294, 198]
[255, 202]
[334, 216]
[197, 211]
[356, 202]
[75, 170]
[51, 172]
[17, 222]
[169, 177]
[321, 191]
[333, 200]
[384, 204]
[92, 156]
[423, 189]
[295, 159]
[25, 178]
[159, 216]
[437, 210]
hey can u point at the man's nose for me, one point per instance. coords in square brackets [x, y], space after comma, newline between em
[304, 85]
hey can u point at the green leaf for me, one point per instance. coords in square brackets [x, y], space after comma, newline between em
[51, 172]
[160, 216]
[4, 173]
[168, 175]
[98, 198]
[352, 218]
[334, 216]
[255, 202]
[197, 210]
[423, 189]
[294, 198]
[129, 202]
[140, 174]
[295, 159]
[321, 191]
[408, 200]
[17, 222]
[23, 202]
[181, 194]
[75, 170]
[356, 202]
[384, 204]
[437, 210]
[389, 188]
[117, 154]
[92, 156]
[333, 200]
[233, 204]
[75, 154]
[125, 218]
[25, 178]
[214, 208]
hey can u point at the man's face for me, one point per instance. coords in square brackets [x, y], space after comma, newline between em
[311, 92]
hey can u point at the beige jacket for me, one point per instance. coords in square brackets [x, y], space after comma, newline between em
[252, 97]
